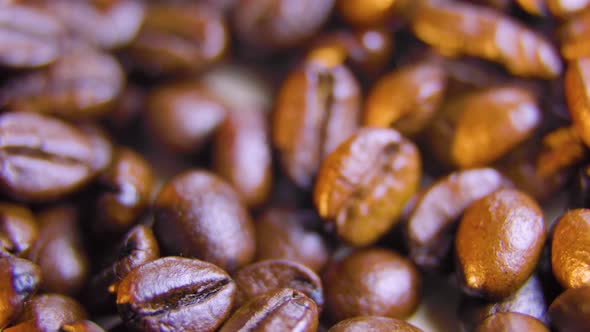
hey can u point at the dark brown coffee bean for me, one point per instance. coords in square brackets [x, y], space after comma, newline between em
[199, 215]
[262, 277]
[177, 37]
[317, 108]
[19, 280]
[18, 230]
[364, 184]
[47, 313]
[570, 249]
[44, 158]
[288, 234]
[176, 294]
[570, 312]
[511, 322]
[374, 324]
[128, 184]
[279, 310]
[372, 282]
[29, 37]
[282, 22]
[499, 243]
[81, 326]
[182, 116]
[102, 146]
[437, 212]
[58, 251]
[243, 154]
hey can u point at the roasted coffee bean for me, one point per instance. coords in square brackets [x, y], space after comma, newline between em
[574, 45]
[363, 284]
[288, 234]
[570, 249]
[374, 324]
[528, 300]
[407, 98]
[279, 310]
[561, 150]
[81, 84]
[44, 158]
[59, 252]
[176, 294]
[570, 311]
[499, 243]
[128, 184]
[511, 322]
[177, 37]
[577, 81]
[365, 183]
[182, 116]
[262, 277]
[457, 29]
[479, 129]
[18, 230]
[317, 108]
[199, 215]
[81, 326]
[19, 280]
[48, 312]
[437, 211]
[102, 146]
[243, 154]
[30, 37]
[372, 13]
[283, 23]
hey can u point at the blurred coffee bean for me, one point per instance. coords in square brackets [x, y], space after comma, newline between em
[561, 150]
[570, 249]
[199, 215]
[364, 184]
[577, 81]
[279, 310]
[570, 311]
[367, 13]
[573, 32]
[176, 294]
[19, 280]
[511, 322]
[374, 324]
[81, 326]
[18, 229]
[48, 312]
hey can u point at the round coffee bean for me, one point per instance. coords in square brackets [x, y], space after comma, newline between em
[374, 324]
[570, 249]
[570, 312]
[511, 322]
[19, 280]
[18, 229]
[48, 312]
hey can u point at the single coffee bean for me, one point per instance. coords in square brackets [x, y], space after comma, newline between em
[19, 280]
[262, 277]
[570, 249]
[364, 184]
[511, 322]
[289, 234]
[407, 98]
[48, 312]
[59, 252]
[243, 154]
[30, 37]
[437, 211]
[176, 294]
[577, 81]
[499, 243]
[81, 326]
[199, 215]
[362, 284]
[279, 310]
[372, 13]
[183, 116]
[570, 312]
[374, 324]
[18, 229]
[317, 108]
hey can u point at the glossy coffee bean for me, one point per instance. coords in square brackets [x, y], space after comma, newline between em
[372, 282]
[176, 294]
[433, 220]
[30, 37]
[262, 277]
[58, 251]
[577, 80]
[18, 229]
[279, 310]
[511, 322]
[365, 183]
[81, 326]
[19, 280]
[243, 154]
[499, 243]
[569, 311]
[183, 116]
[199, 215]
[373, 323]
[317, 108]
[570, 249]
[289, 234]
[48, 312]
